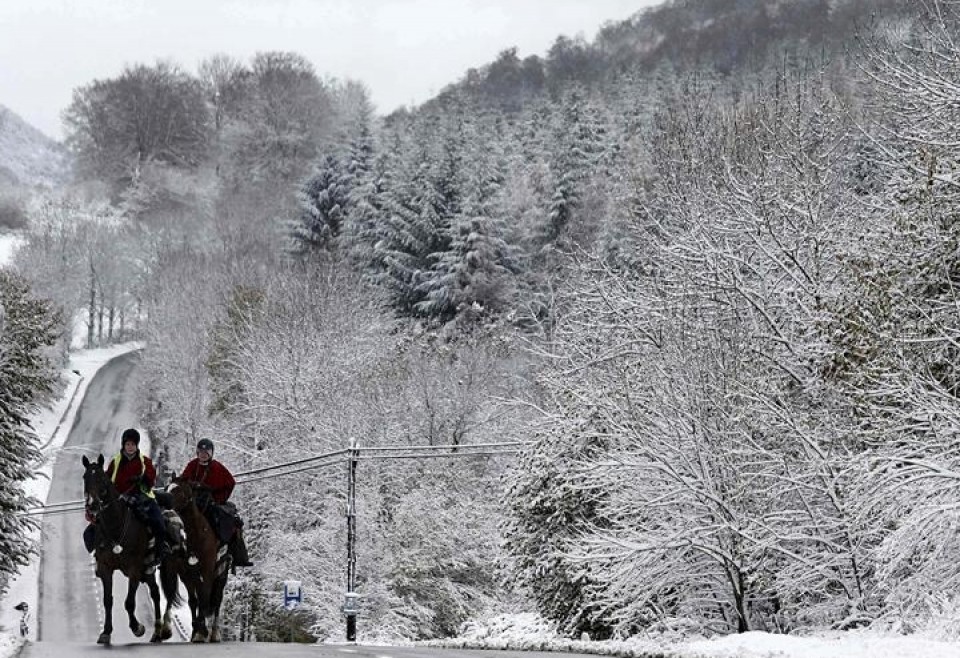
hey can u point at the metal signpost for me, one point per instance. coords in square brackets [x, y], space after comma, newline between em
[349, 604]
[292, 594]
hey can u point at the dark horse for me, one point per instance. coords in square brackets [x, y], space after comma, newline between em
[204, 567]
[121, 544]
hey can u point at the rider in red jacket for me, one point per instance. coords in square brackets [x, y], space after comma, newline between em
[206, 473]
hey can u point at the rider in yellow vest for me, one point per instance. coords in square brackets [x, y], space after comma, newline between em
[134, 475]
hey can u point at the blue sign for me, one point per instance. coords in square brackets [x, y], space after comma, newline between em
[351, 604]
[292, 594]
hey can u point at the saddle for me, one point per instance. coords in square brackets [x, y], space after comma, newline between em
[176, 535]
[224, 520]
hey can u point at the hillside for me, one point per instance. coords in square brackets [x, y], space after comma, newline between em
[729, 37]
[28, 158]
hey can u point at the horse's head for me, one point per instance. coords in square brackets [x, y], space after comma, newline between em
[98, 490]
[181, 494]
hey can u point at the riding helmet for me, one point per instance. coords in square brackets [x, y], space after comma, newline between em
[205, 444]
[130, 435]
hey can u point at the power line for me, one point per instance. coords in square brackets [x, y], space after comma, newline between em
[436, 456]
[283, 470]
[451, 446]
[243, 479]
[66, 503]
[42, 511]
[305, 460]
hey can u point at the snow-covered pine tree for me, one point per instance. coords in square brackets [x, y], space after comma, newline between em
[363, 181]
[419, 203]
[474, 274]
[28, 327]
[321, 199]
[580, 143]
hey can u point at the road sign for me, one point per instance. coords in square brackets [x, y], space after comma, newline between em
[292, 594]
[351, 603]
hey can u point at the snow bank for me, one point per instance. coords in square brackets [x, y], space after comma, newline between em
[530, 633]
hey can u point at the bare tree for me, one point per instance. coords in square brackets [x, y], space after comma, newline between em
[147, 113]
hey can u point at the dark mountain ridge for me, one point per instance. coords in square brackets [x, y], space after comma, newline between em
[718, 35]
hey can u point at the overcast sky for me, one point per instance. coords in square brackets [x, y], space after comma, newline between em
[405, 51]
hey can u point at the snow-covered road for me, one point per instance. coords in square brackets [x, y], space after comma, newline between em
[70, 599]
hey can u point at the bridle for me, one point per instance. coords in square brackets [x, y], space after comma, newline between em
[97, 504]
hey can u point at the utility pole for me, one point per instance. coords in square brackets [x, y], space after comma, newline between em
[349, 606]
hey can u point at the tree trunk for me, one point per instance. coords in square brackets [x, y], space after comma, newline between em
[92, 309]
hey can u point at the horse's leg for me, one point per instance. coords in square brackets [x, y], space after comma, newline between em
[206, 581]
[107, 580]
[207, 594]
[196, 611]
[216, 601]
[170, 584]
[130, 603]
[155, 595]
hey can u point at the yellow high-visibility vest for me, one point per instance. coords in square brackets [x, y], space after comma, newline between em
[148, 492]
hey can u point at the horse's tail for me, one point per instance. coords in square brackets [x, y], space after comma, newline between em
[170, 584]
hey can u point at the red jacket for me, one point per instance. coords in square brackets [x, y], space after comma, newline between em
[129, 469]
[213, 475]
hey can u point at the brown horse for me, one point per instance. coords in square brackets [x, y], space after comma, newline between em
[203, 569]
[122, 544]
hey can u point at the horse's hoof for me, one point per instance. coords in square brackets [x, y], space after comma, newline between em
[165, 633]
[155, 638]
[104, 638]
[139, 630]
[198, 638]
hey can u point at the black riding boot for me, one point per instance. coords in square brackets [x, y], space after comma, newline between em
[90, 538]
[158, 526]
[238, 549]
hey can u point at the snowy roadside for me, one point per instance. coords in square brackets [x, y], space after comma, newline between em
[52, 426]
[528, 633]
